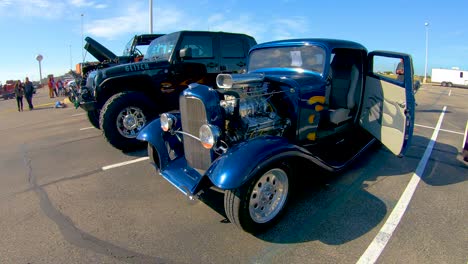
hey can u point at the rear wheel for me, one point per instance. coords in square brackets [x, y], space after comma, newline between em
[122, 118]
[258, 204]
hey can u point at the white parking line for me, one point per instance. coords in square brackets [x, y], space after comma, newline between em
[450, 92]
[444, 130]
[380, 241]
[124, 163]
[86, 128]
[79, 114]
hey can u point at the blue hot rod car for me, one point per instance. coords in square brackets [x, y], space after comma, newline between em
[319, 101]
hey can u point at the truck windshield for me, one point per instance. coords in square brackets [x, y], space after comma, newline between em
[162, 47]
[308, 58]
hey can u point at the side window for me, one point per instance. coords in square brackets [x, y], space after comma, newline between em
[202, 46]
[461, 74]
[389, 68]
[232, 47]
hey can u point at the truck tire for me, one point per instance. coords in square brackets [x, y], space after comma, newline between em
[122, 118]
[93, 117]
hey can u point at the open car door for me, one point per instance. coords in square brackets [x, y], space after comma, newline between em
[388, 105]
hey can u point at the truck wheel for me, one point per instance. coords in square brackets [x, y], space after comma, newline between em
[93, 117]
[122, 118]
[449, 84]
[444, 84]
[258, 204]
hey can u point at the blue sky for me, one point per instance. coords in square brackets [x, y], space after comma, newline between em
[52, 28]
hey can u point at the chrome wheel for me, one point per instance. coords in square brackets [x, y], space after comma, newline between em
[130, 121]
[268, 195]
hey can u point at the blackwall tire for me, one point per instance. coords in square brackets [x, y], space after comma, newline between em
[123, 116]
[153, 156]
[260, 203]
[93, 117]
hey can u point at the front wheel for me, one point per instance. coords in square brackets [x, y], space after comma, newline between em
[93, 117]
[257, 205]
[122, 118]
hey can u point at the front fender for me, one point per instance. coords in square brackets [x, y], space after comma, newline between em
[161, 141]
[240, 163]
[151, 132]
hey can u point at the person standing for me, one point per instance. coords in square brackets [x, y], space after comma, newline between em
[56, 90]
[19, 92]
[51, 84]
[60, 87]
[28, 92]
[400, 71]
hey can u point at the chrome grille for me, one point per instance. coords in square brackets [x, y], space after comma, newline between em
[193, 115]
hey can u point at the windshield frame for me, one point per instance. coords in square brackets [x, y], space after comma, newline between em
[128, 48]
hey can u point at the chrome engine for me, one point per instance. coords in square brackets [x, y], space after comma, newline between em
[248, 107]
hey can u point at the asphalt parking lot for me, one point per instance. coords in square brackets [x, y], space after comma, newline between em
[67, 196]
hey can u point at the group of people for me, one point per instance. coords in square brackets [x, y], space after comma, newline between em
[24, 89]
[55, 87]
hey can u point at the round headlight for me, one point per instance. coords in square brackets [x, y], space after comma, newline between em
[209, 135]
[167, 121]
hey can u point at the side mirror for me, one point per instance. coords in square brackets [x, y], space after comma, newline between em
[185, 53]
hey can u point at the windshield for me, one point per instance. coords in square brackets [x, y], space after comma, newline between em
[162, 47]
[310, 58]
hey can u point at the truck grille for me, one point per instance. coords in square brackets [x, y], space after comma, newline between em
[193, 115]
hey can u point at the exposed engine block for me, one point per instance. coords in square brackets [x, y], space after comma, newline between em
[249, 110]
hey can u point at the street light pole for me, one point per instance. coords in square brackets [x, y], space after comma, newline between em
[427, 43]
[151, 16]
[71, 66]
[82, 38]
[39, 58]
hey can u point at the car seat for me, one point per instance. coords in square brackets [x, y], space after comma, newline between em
[340, 93]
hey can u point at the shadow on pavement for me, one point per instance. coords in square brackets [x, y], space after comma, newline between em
[337, 208]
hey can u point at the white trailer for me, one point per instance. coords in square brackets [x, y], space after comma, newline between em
[450, 77]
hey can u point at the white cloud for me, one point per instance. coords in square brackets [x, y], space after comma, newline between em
[5, 3]
[136, 19]
[113, 27]
[289, 28]
[82, 3]
[31, 8]
[215, 18]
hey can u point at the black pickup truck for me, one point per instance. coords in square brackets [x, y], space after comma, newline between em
[122, 99]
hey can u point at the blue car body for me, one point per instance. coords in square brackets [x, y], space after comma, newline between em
[282, 111]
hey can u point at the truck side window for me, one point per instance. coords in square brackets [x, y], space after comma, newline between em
[202, 46]
[461, 74]
[231, 47]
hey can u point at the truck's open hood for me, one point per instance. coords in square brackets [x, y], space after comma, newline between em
[100, 52]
